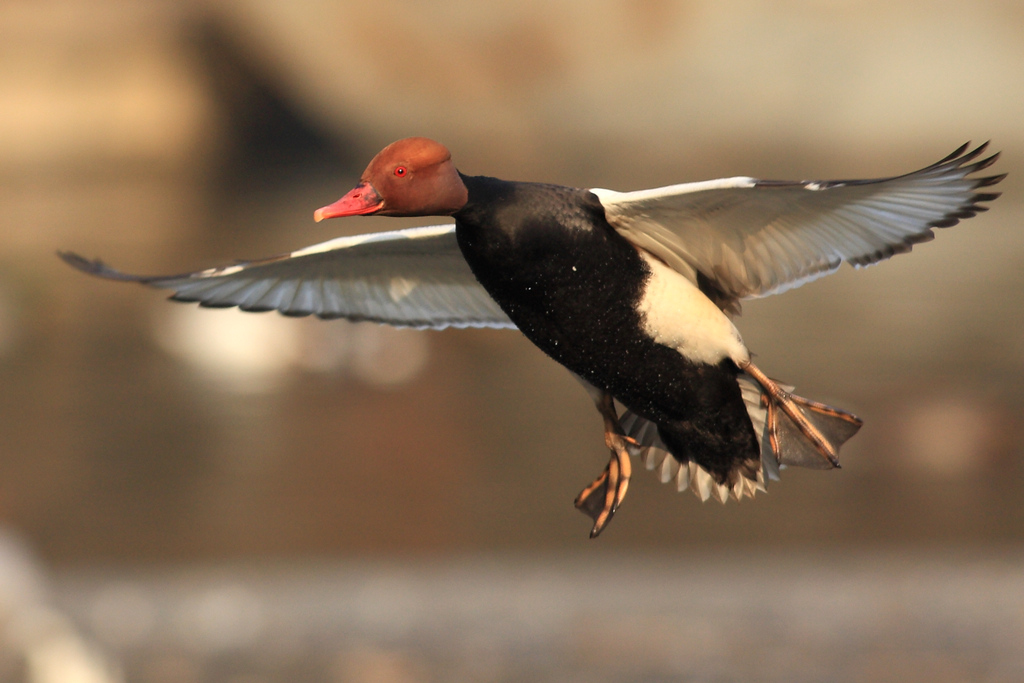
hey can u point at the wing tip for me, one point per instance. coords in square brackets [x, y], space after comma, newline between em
[988, 181]
[955, 154]
[96, 267]
[959, 162]
[79, 262]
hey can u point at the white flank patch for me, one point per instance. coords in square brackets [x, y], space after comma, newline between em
[677, 314]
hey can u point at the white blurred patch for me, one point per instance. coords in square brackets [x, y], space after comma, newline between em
[400, 288]
[950, 436]
[63, 657]
[53, 649]
[223, 618]
[254, 352]
[246, 352]
[377, 355]
[123, 615]
[21, 580]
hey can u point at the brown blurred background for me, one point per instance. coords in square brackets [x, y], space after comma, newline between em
[183, 488]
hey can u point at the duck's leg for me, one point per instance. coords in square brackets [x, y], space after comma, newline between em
[602, 498]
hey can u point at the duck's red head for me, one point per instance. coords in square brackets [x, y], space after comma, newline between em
[411, 177]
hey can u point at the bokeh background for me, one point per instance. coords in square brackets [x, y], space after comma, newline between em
[203, 495]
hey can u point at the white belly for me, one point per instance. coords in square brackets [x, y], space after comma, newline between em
[678, 315]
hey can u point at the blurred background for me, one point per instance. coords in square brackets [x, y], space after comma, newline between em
[204, 495]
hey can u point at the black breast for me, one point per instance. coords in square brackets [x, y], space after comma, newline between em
[554, 264]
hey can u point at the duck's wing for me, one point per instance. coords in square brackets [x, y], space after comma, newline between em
[407, 278]
[743, 237]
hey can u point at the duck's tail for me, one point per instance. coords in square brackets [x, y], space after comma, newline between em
[790, 430]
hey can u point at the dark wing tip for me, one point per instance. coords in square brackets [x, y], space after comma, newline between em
[958, 161]
[96, 268]
[985, 163]
[957, 152]
[80, 262]
[990, 180]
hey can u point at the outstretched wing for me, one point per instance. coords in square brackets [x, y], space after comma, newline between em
[407, 278]
[750, 237]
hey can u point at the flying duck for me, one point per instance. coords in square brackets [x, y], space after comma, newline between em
[633, 292]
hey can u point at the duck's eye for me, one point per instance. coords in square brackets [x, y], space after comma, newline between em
[400, 171]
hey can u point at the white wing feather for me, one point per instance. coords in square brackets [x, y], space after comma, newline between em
[406, 278]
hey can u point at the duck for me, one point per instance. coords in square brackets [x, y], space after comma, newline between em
[635, 293]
